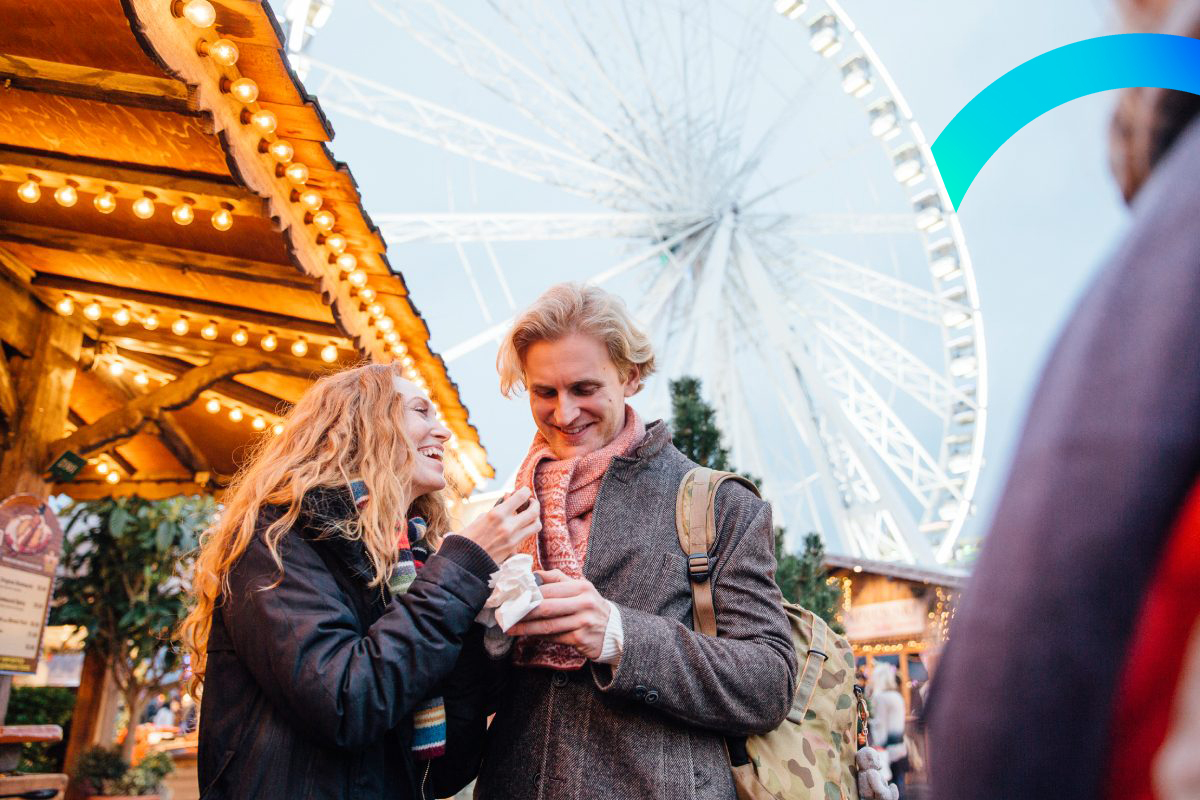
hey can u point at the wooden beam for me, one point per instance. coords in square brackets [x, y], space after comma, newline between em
[121, 88]
[193, 349]
[182, 446]
[188, 305]
[228, 387]
[147, 489]
[20, 319]
[126, 422]
[185, 260]
[8, 391]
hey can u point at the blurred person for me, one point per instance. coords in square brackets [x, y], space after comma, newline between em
[888, 720]
[322, 651]
[1063, 673]
[165, 716]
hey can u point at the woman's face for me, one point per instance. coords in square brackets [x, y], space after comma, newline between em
[427, 435]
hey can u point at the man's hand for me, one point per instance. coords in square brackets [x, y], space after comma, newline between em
[572, 613]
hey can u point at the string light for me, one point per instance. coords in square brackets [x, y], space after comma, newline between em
[329, 353]
[105, 202]
[209, 331]
[222, 219]
[269, 342]
[244, 89]
[143, 207]
[357, 278]
[336, 242]
[347, 262]
[376, 309]
[29, 191]
[222, 51]
[297, 173]
[300, 348]
[180, 326]
[66, 196]
[150, 323]
[385, 323]
[264, 121]
[258, 423]
[398, 350]
[66, 306]
[240, 337]
[366, 294]
[116, 368]
[113, 477]
[281, 151]
[122, 316]
[183, 213]
[102, 467]
[92, 311]
[236, 414]
[324, 220]
[141, 379]
[199, 12]
[311, 199]
[213, 405]
[277, 428]
[391, 337]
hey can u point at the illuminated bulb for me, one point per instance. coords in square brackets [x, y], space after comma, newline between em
[143, 207]
[329, 353]
[209, 331]
[324, 220]
[300, 348]
[30, 192]
[150, 323]
[141, 379]
[311, 199]
[240, 337]
[113, 477]
[297, 173]
[264, 121]
[102, 467]
[258, 423]
[92, 311]
[222, 219]
[116, 368]
[66, 306]
[66, 196]
[357, 278]
[269, 342]
[105, 202]
[180, 326]
[385, 323]
[391, 337]
[376, 309]
[122, 316]
[398, 350]
[282, 151]
[224, 52]
[183, 214]
[213, 405]
[236, 415]
[245, 90]
[407, 361]
[336, 242]
[200, 13]
[367, 295]
[277, 428]
[347, 262]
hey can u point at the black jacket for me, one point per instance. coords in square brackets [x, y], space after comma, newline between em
[311, 684]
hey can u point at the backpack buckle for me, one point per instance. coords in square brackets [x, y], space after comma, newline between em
[698, 567]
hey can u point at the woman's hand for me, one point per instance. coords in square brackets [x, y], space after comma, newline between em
[502, 529]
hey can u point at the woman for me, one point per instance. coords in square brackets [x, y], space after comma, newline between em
[314, 636]
[888, 720]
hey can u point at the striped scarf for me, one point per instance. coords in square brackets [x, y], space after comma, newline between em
[429, 719]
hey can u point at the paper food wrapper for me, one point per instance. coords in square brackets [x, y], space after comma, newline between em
[515, 593]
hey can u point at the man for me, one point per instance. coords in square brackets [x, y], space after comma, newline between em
[611, 694]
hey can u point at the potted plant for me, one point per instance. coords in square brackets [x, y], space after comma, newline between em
[102, 773]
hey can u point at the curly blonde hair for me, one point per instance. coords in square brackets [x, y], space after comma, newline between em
[348, 425]
[569, 308]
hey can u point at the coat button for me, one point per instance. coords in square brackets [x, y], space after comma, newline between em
[651, 697]
[559, 679]
[639, 692]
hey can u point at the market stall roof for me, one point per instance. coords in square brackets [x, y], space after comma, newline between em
[950, 578]
[166, 185]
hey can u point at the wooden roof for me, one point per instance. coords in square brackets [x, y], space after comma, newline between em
[122, 97]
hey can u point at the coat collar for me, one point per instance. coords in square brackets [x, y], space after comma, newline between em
[323, 510]
[657, 436]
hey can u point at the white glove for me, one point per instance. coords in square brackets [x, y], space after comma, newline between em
[871, 785]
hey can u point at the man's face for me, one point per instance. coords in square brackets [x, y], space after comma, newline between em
[576, 393]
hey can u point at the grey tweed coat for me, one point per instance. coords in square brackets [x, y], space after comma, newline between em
[652, 728]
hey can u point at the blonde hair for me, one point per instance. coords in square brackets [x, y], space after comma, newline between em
[348, 425]
[569, 308]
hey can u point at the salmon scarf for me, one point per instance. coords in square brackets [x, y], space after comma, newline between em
[566, 490]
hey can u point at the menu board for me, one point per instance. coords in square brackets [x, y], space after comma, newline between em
[30, 547]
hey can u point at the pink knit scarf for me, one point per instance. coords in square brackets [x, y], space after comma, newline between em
[567, 491]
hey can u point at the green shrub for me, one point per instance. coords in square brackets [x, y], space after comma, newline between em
[102, 771]
[42, 705]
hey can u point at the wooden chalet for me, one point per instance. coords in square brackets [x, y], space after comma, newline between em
[180, 253]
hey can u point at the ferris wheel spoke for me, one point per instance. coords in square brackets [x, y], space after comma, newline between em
[651, 306]
[520, 227]
[798, 226]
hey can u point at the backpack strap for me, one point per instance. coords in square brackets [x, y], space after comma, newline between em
[696, 525]
[810, 673]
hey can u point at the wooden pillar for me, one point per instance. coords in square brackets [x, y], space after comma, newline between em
[95, 710]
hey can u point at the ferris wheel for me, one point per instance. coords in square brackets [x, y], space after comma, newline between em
[750, 178]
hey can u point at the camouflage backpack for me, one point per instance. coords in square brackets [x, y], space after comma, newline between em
[811, 755]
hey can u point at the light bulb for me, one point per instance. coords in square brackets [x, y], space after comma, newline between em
[297, 173]
[141, 379]
[367, 295]
[258, 423]
[269, 342]
[116, 368]
[66, 306]
[180, 326]
[113, 477]
[29, 191]
[92, 311]
[407, 361]
[398, 350]
[200, 13]
[183, 214]
[311, 199]
[224, 52]
[236, 415]
[347, 262]
[222, 219]
[277, 428]
[282, 151]
[357, 278]
[150, 323]
[391, 337]
[245, 90]
[300, 348]
[376, 309]
[66, 196]
[209, 331]
[213, 405]
[329, 353]
[336, 242]
[240, 337]
[122, 316]
[143, 207]
[105, 202]
[385, 323]
[102, 467]
[324, 220]
[264, 121]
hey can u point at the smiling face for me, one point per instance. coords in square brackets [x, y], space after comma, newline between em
[427, 435]
[576, 393]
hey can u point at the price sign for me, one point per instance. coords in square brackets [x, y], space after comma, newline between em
[30, 547]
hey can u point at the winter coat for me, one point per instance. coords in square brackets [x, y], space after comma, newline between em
[311, 683]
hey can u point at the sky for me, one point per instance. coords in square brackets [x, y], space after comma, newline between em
[1039, 219]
